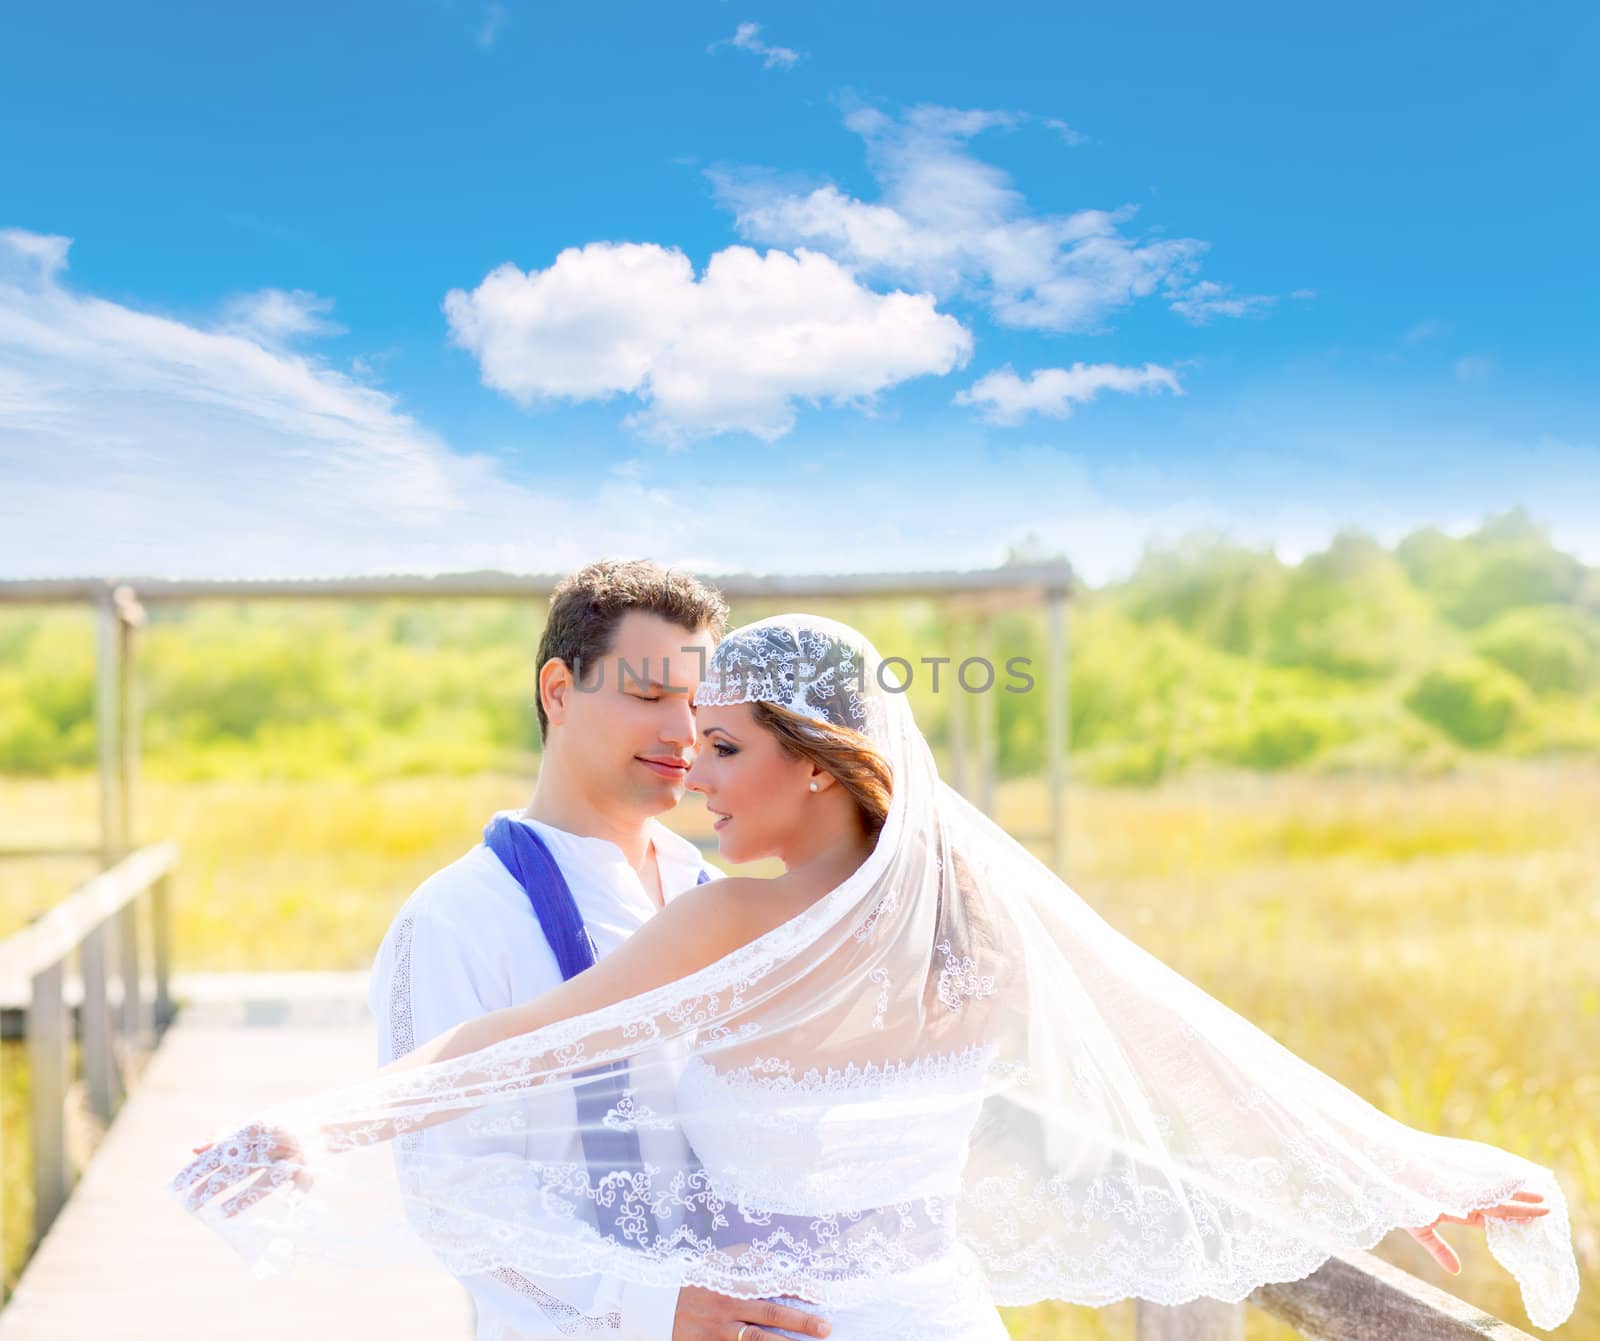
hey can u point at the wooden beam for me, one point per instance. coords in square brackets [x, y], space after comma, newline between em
[1199, 1320]
[51, 938]
[1357, 1296]
[1034, 578]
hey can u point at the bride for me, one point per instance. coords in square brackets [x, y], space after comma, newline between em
[912, 1077]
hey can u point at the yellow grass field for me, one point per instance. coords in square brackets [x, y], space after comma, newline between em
[1434, 945]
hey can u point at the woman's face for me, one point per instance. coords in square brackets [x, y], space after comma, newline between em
[756, 793]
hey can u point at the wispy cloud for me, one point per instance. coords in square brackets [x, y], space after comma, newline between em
[1425, 330]
[1066, 132]
[276, 317]
[494, 18]
[747, 37]
[729, 351]
[948, 222]
[1473, 368]
[1200, 302]
[1004, 398]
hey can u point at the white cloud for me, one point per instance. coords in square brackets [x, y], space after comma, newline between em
[729, 351]
[1004, 398]
[747, 37]
[1473, 368]
[952, 224]
[131, 442]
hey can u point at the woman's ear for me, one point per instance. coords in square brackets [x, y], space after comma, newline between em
[820, 781]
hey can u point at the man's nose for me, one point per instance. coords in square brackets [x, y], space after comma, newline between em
[679, 727]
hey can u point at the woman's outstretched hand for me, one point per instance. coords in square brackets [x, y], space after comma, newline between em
[1522, 1206]
[271, 1153]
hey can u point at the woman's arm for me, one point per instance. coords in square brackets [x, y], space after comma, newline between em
[695, 929]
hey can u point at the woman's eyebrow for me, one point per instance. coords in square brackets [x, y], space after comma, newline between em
[718, 731]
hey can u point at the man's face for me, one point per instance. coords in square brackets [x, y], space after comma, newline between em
[629, 723]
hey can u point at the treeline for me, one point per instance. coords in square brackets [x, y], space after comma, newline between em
[1211, 654]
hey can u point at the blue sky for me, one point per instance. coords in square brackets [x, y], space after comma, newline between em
[430, 286]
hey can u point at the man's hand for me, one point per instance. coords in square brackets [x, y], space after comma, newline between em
[704, 1315]
[271, 1153]
[1522, 1206]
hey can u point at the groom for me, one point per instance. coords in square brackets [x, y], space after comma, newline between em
[499, 925]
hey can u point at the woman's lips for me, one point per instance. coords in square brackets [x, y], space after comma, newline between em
[677, 771]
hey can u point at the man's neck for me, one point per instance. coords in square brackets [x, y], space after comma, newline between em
[565, 808]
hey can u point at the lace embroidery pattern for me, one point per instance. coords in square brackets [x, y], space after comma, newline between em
[631, 1115]
[563, 1314]
[959, 979]
[402, 1033]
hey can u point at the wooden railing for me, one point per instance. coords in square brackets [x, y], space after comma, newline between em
[100, 924]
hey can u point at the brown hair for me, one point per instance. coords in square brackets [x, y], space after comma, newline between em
[840, 750]
[587, 606]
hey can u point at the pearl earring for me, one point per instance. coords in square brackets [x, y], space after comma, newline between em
[813, 786]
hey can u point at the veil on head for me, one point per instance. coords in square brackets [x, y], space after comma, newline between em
[947, 1061]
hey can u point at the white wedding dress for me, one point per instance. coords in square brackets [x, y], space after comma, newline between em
[811, 1144]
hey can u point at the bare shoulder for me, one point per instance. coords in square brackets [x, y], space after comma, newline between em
[735, 909]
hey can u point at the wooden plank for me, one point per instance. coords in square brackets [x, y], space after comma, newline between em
[1357, 1296]
[124, 1263]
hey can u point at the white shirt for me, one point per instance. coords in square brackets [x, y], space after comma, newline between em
[468, 942]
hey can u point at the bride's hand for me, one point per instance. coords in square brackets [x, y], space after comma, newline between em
[1522, 1206]
[272, 1153]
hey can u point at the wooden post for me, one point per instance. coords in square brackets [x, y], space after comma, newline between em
[161, 948]
[135, 1019]
[108, 679]
[1201, 1320]
[94, 1013]
[47, 1066]
[984, 704]
[130, 619]
[958, 713]
[1058, 682]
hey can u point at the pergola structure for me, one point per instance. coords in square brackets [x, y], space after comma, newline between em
[970, 597]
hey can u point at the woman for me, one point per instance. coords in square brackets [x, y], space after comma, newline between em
[915, 1076]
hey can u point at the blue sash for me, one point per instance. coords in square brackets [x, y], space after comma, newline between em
[523, 852]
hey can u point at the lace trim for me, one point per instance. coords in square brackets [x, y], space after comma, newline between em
[774, 1073]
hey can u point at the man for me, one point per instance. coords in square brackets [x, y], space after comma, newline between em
[621, 655]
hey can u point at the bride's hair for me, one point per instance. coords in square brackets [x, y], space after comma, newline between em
[840, 750]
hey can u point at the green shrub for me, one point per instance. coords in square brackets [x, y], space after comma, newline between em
[1471, 700]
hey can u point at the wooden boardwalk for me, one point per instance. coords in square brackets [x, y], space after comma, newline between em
[124, 1261]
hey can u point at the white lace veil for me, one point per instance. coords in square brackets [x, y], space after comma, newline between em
[948, 1055]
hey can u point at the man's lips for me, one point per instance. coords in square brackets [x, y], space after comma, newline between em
[666, 767]
[721, 818]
